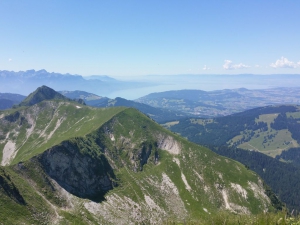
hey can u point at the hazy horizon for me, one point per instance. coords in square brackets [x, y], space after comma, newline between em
[175, 45]
[207, 84]
[150, 37]
[137, 86]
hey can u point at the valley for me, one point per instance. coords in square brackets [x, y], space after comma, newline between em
[217, 103]
[259, 129]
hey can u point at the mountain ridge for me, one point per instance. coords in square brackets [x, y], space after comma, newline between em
[7, 100]
[23, 82]
[156, 173]
[157, 114]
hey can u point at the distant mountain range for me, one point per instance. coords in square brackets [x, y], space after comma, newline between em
[89, 98]
[23, 82]
[7, 100]
[100, 77]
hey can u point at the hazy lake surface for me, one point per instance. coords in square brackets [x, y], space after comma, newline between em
[206, 83]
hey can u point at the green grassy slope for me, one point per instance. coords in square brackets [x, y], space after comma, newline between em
[20, 203]
[137, 171]
[260, 131]
[31, 130]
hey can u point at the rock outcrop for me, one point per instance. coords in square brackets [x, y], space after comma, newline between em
[83, 174]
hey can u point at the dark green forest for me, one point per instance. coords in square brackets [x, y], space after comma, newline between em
[290, 123]
[222, 129]
[291, 155]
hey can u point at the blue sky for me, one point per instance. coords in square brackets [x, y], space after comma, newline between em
[125, 38]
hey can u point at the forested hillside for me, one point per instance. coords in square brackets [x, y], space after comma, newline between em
[270, 129]
[282, 177]
[291, 155]
[265, 131]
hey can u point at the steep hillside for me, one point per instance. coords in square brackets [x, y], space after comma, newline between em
[27, 131]
[282, 177]
[68, 163]
[265, 131]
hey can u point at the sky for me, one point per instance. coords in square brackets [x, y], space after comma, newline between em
[135, 38]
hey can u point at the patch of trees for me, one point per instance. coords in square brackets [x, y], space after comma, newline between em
[279, 109]
[294, 128]
[221, 130]
[291, 155]
[13, 117]
[280, 122]
[283, 122]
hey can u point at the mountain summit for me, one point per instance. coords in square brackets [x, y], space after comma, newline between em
[41, 94]
[62, 162]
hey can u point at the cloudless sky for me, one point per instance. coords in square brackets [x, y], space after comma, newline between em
[133, 37]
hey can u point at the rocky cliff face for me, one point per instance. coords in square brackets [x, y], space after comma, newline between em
[83, 174]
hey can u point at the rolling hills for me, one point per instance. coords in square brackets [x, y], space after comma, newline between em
[197, 103]
[160, 115]
[89, 98]
[269, 129]
[63, 162]
[7, 100]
